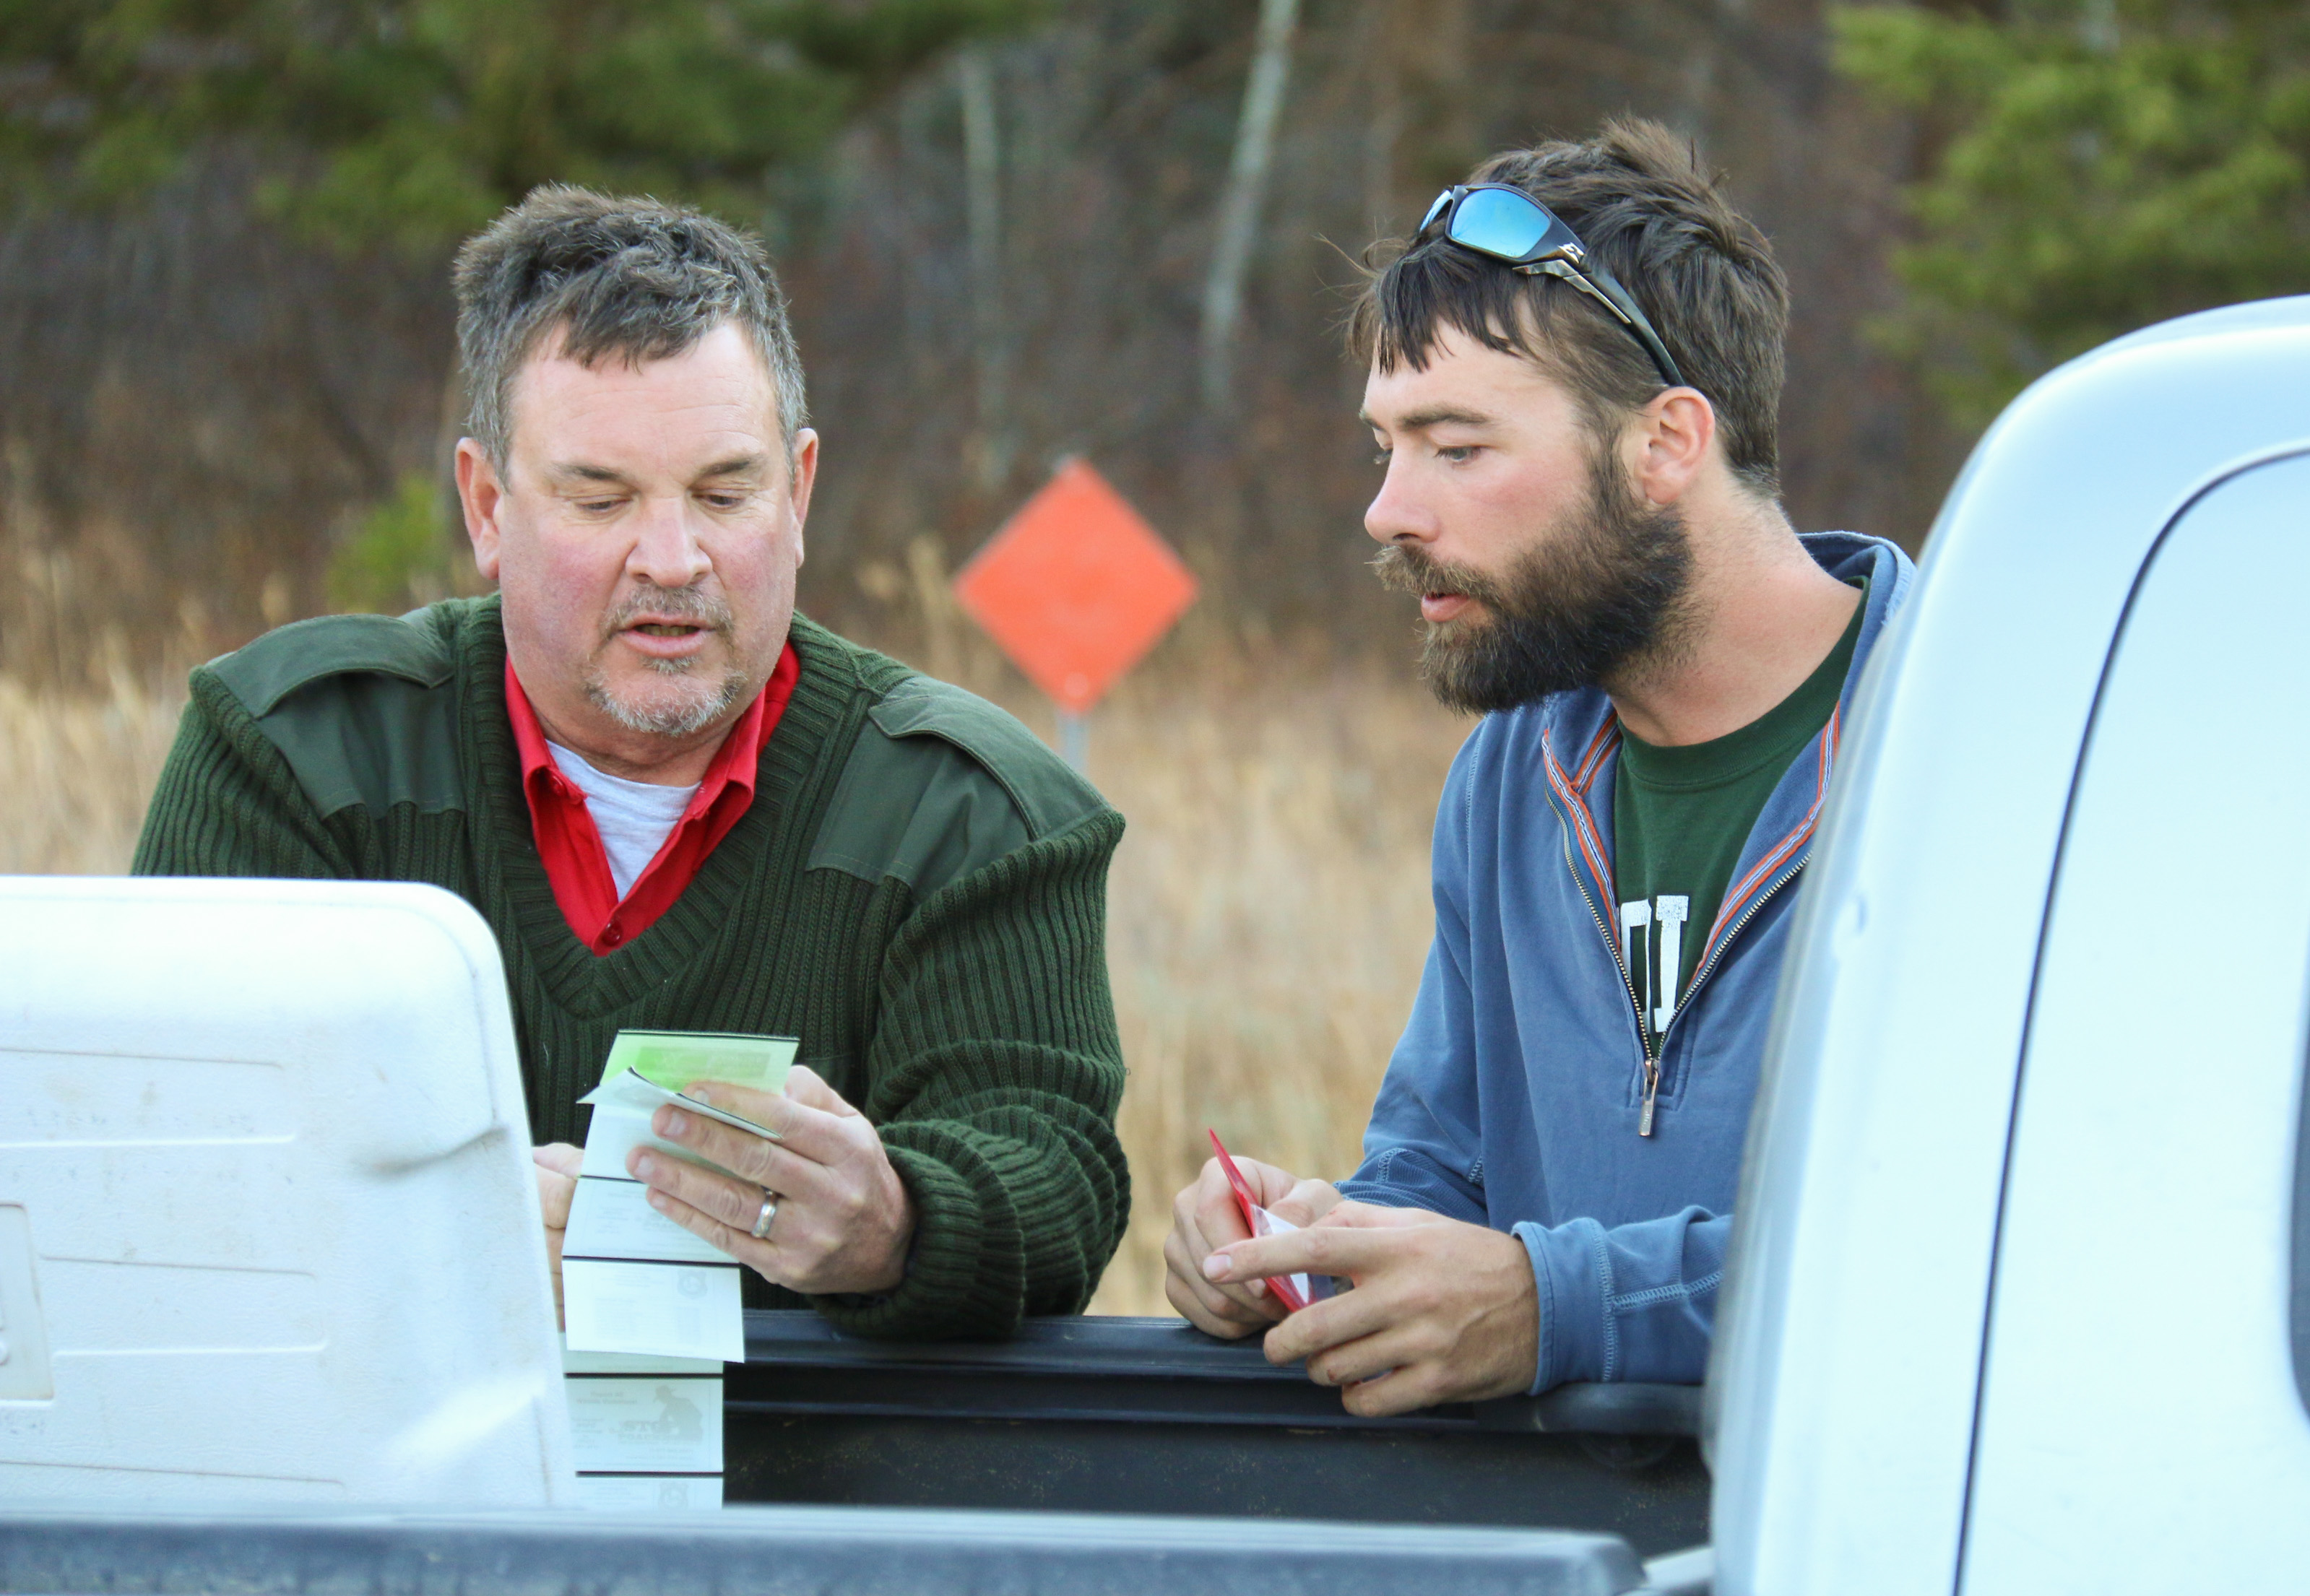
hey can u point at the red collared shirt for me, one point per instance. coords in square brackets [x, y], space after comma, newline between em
[571, 848]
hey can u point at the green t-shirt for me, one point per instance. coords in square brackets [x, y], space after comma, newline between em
[1680, 816]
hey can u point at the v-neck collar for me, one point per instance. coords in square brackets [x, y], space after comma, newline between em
[827, 702]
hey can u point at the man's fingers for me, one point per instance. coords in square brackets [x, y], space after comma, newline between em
[1269, 1185]
[1395, 1370]
[1443, 1310]
[734, 1203]
[1321, 1327]
[1180, 1293]
[816, 1133]
[766, 1109]
[844, 1215]
[773, 1164]
[1320, 1250]
[823, 1134]
[1302, 1205]
[1217, 1221]
[1403, 1390]
[804, 1088]
[1202, 1304]
[555, 1187]
[1351, 1359]
[554, 1192]
[557, 1163]
[1370, 1216]
[802, 1252]
[1380, 1366]
[1314, 1198]
[1204, 1215]
[559, 1157]
[741, 1152]
[736, 1241]
[553, 1268]
[1235, 1307]
[1212, 1203]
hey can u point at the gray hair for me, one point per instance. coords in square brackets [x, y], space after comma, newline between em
[633, 280]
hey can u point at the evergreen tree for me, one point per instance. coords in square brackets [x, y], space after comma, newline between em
[2100, 165]
[414, 121]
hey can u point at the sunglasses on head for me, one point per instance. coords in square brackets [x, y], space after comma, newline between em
[1511, 226]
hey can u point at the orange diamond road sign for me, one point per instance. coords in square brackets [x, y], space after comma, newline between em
[1075, 588]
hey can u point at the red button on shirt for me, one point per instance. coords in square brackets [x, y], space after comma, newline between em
[571, 848]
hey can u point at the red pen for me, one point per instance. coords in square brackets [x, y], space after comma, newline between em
[1260, 1222]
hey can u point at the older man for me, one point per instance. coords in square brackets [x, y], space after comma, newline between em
[681, 805]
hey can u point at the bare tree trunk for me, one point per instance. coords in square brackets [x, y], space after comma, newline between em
[1374, 30]
[993, 445]
[1423, 131]
[1246, 187]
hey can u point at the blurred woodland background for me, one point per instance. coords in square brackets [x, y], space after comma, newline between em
[1015, 230]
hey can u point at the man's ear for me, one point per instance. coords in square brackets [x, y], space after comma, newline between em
[1673, 438]
[483, 497]
[805, 479]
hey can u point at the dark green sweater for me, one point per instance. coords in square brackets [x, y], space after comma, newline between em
[917, 892]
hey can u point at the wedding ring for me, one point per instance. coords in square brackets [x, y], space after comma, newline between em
[769, 1211]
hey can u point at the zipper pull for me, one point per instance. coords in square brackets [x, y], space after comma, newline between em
[1651, 1094]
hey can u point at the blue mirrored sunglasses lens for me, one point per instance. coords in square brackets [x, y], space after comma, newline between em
[1435, 211]
[1499, 222]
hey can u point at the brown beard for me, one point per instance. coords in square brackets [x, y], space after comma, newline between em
[1599, 593]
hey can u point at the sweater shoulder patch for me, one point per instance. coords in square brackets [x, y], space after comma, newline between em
[940, 783]
[303, 652]
[1051, 796]
[360, 707]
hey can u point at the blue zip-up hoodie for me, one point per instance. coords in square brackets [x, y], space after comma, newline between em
[1514, 1099]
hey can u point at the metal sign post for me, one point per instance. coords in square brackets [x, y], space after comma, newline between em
[1074, 741]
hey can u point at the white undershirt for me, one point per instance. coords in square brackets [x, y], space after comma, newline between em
[633, 817]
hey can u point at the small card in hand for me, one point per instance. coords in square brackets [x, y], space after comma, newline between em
[648, 1069]
[675, 1059]
[1293, 1291]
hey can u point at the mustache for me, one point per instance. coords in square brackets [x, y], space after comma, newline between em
[693, 605]
[1406, 568]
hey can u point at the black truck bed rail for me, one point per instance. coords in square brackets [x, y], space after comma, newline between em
[1133, 1370]
[1151, 1416]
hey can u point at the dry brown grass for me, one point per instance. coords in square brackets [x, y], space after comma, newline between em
[75, 770]
[1268, 909]
[1268, 914]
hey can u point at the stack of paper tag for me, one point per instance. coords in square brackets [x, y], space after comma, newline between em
[646, 1431]
[632, 1280]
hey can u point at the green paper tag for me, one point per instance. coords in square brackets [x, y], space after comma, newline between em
[673, 1060]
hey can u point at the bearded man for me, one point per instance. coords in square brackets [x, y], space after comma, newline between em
[1575, 371]
[680, 805]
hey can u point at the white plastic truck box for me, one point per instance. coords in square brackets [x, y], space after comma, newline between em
[268, 1225]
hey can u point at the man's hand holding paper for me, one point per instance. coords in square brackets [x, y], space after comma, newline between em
[1442, 1311]
[842, 1219]
[1205, 1216]
[632, 1280]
